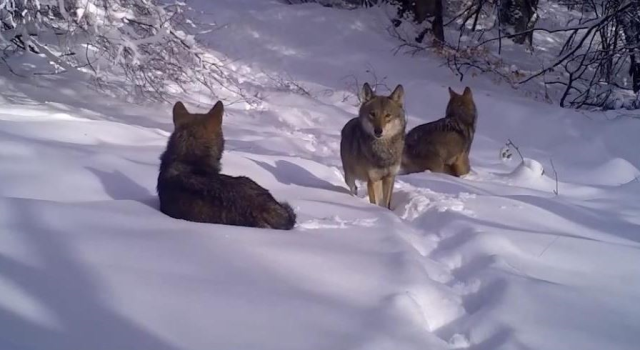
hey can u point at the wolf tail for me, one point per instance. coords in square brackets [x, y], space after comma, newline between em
[282, 217]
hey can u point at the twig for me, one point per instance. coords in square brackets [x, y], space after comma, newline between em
[511, 144]
[287, 83]
[548, 246]
[555, 175]
[353, 84]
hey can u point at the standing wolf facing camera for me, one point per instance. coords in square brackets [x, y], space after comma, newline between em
[191, 187]
[371, 144]
[443, 146]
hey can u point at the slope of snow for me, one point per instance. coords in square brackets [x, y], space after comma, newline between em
[495, 260]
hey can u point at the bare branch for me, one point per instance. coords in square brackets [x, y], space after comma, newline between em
[511, 144]
[555, 175]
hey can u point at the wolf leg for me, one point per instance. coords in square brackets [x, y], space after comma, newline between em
[387, 190]
[450, 170]
[375, 192]
[372, 192]
[436, 165]
[351, 182]
[461, 165]
[466, 165]
[377, 187]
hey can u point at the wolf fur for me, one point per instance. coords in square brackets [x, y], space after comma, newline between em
[191, 187]
[443, 146]
[371, 144]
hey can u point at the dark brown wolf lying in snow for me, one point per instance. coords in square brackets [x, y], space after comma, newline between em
[191, 187]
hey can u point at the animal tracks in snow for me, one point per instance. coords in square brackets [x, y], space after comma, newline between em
[464, 293]
[411, 202]
[335, 222]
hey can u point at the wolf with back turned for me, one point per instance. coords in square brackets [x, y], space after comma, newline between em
[371, 144]
[191, 187]
[443, 146]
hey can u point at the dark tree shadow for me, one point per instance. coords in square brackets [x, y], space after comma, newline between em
[494, 341]
[591, 219]
[121, 187]
[288, 173]
[79, 315]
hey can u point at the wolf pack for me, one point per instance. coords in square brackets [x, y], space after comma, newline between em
[374, 148]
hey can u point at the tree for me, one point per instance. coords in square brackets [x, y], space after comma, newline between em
[422, 10]
[598, 50]
[629, 21]
[518, 16]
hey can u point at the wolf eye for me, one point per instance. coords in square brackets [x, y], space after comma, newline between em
[372, 115]
[387, 116]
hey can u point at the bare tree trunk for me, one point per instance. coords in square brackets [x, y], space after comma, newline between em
[420, 9]
[438, 22]
[630, 23]
[634, 71]
[424, 9]
[519, 15]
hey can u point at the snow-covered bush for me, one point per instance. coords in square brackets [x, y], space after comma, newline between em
[142, 40]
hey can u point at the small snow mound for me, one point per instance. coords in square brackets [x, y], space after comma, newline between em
[616, 171]
[459, 341]
[529, 169]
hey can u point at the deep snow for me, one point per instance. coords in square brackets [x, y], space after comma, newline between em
[492, 261]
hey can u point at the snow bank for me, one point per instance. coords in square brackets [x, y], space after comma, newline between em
[494, 260]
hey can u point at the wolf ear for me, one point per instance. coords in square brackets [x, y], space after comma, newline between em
[452, 93]
[214, 117]
[180, 114]
[367, 93]
[398, 95]
[467, 92]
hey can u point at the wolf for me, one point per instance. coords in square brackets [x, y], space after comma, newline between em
[191, 187]
[371, 144]
[443, 146]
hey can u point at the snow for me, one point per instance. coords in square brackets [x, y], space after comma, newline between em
[494, 260]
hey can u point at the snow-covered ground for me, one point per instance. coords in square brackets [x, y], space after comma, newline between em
[493, 261]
